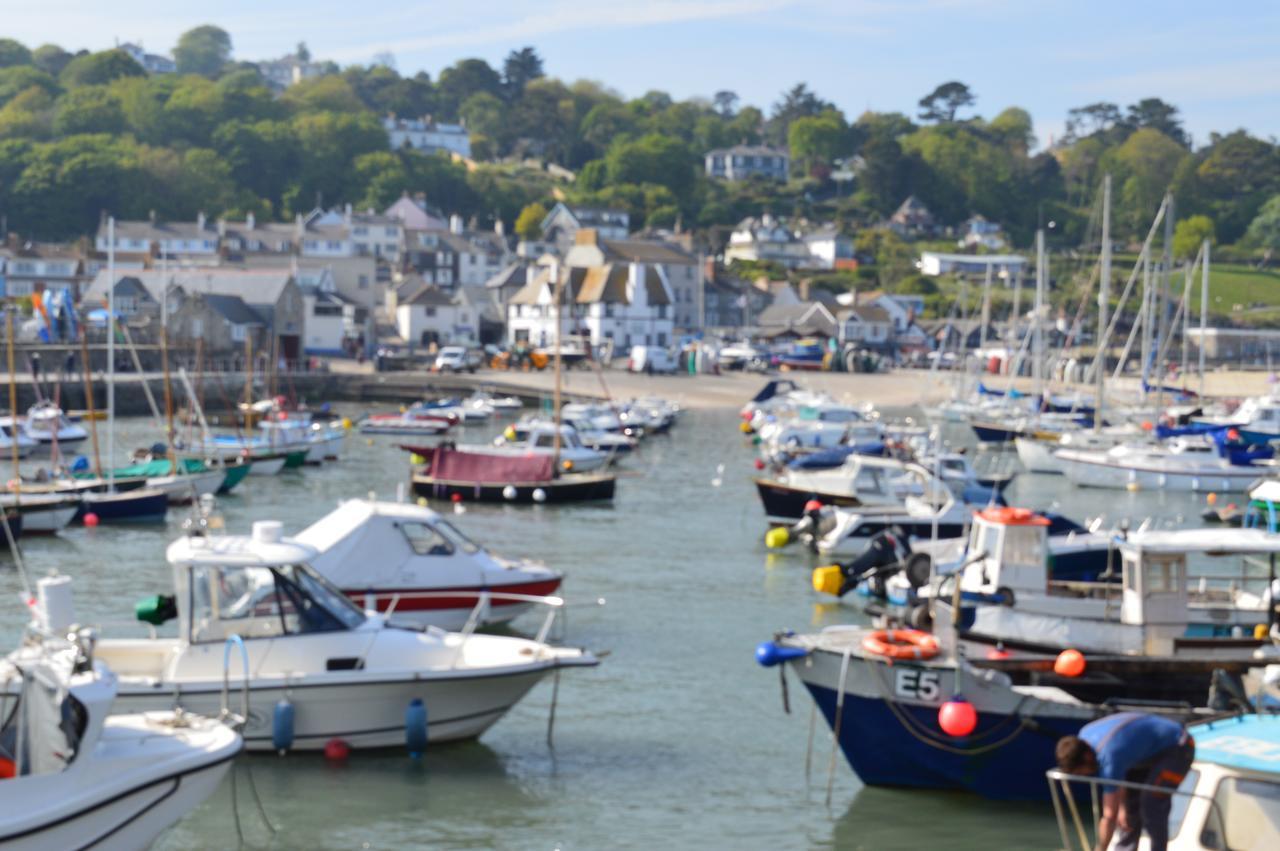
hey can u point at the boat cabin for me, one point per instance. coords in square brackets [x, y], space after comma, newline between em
[260, 586]
[540, 435]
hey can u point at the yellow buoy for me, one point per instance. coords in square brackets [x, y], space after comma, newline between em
[1260, 631]
[422, 501]
[568, 465]
[1132, 487]
[744, 427]
[510, 433]
[346, 424]
[777, 537]
[415, 458]
[828, 579]
[368, 441]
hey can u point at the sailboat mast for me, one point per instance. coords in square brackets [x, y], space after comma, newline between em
[1104, 299]
[1166, 291]
[1203, 314]
[13, 405]
[557, 289]
[111, 350]
[1037, 363]
[986, 309]
[88, 401]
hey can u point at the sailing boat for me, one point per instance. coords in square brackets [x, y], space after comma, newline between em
[488, 474]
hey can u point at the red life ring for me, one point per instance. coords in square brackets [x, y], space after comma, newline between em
[901, 644]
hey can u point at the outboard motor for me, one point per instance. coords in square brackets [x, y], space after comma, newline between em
[883, 555]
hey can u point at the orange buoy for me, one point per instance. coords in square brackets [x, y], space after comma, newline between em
[1070, 663]
[901, 644]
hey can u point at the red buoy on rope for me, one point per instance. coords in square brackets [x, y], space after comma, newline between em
[336, 750]
[957, 717]
[91, 519]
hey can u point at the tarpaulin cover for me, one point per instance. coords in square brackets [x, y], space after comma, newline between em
[482, 468]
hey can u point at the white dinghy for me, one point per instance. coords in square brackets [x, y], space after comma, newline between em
[348, 673]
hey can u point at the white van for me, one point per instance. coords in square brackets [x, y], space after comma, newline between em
[651, 359]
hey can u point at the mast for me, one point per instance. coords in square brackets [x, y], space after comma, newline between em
[13, 407]
[88, 401]
[557, 289]
[1104, 298]
[1166, 291]
[1203, 312]
[986, 309]
[111, 351]
[1038, 329]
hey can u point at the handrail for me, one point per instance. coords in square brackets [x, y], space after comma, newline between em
[235, 640]
[483, 598]
[1060, 784]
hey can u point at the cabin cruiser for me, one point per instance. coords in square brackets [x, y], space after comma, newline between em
[609, 442]
[413, 422]
[78, 774]
[1038, 451]
[415, 567]
[46, 427]
[11, 433]
[861, 480]
[540, 439]
[494, 405]
[1183, 464]
[349, 673]
[452, 407]
[1257, 419]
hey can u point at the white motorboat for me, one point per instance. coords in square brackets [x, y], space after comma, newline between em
[862, 480]
[349, 674]
[540, 439]
[417, 568]
[46, 426]
[1037, 450]
[495, 404]
[409, 422]
[11, 433]
[82, 777]
[608, 442]
[1257, 419]
[1183, 464]
[918, 517]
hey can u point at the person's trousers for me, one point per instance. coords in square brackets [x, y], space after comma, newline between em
[1149, 809]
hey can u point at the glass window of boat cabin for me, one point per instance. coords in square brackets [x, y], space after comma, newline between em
[1250, 811]
[265, 602]
[438, 540]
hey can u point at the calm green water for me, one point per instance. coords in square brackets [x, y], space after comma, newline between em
[678, 739]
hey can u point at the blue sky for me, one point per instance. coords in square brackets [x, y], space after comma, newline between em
[1220, 66]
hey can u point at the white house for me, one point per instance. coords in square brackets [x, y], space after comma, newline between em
[331, 322]
[866, 325]
[683, 272]
[828, 248]
[414, 214]
[24, 266]
[288, 70]
[1004, 267]
[152, 63]
[622, 304]
[560, 226]
[189, 241]
[423, 134]
[427, 314]
[744, 161]
[981, 233]
[766, 239]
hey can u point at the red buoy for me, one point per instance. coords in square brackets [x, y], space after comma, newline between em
[957, 717]
[457, 497]
[1070, 663]
[759, 464]
[336, 750]
[90, 519]
[812, 505]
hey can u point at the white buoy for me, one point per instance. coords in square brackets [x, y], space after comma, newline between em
[509, 492]
[539, 495]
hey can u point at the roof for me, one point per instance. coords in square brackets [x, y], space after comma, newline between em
[1208, 541]
[233, 309]
[644, 251]
[427, 295]
[1245, 742]
[606, 284]
[147, 229]
[512, 275]
[804, 318]
[238, 550]
[751, 150]
[254, 286]
[868, 313]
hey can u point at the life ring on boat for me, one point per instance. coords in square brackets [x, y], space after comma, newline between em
[901, 644]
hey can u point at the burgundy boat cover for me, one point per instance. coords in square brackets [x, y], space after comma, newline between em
[481, 468]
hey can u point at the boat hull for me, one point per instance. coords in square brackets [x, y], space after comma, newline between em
[233, 474]
[140, 505]
[451, 613]
[1084, 472]
[1038, 455]
[586, 487]
[785, 504]
[364, 711]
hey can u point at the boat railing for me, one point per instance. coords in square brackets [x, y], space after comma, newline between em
[1071, 825]
[478, 612]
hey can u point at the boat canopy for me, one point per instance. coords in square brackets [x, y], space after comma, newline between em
[1245, 743]
[1208, 541]
[481, 468]
[371, 544]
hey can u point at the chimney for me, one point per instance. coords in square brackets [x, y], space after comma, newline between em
[249, 221]
[586, 236]
[803, 287]
[499, 228]
[346, 215]
[200, 220]
[222, 227]
[455, 223]
[709, 268]
[151, 216]
[298, 226]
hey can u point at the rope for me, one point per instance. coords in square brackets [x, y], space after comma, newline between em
[835, 727]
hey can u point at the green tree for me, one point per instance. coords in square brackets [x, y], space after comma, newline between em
[942, 104]
[1264, 230]
[322, 94]
[1155, 114]
[1189, 234]
[1237, 174]
[818, 140]
[529, 222]
[13, 53]
[463, 79]
[796, 102]
[204, 50]
[50, 59]
[484, 114]
[28, 115]
[95, 69]
[1013, 130]
[88, 109]
[18, 79]
[652, 159]
[520, 68]
[1144, 167]
[329, 143]
[263, 156]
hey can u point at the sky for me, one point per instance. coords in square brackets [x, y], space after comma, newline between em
[1218, 63]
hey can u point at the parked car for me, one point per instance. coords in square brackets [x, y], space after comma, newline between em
[457, 359]
[651, 359]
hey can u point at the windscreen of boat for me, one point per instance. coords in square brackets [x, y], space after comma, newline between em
[265, 602]
[1250, 815]
[453, 533]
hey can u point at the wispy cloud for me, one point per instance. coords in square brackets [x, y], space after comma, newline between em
[566, 17]
[1224, 81]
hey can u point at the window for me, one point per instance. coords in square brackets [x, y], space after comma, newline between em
[360, 231]
[1250, 809]
[426, 541]
[265, 602]
[391, 231]
[430, 311]
[363, 282]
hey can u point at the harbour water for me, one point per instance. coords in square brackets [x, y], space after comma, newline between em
[678, 739]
